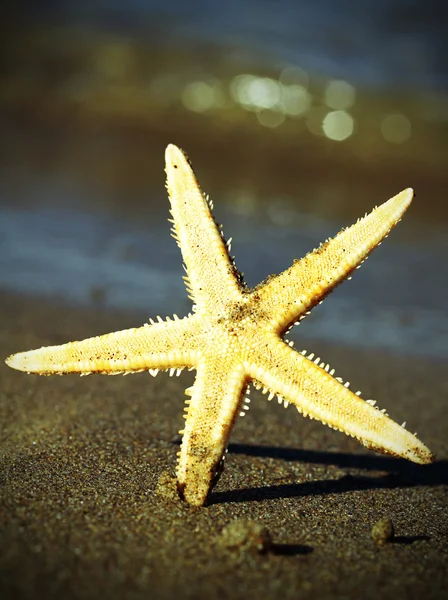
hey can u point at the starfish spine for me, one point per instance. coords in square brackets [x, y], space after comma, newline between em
[235, 338]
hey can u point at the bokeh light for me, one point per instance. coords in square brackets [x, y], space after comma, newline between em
[255, 93]
[270, 118]
[339, 94]
[294, 75]
[396, 128]
[200, 96]
[338, 125]
[296, 100]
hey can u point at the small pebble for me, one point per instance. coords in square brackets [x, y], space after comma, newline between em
[383, 531]
[167, 487]
[246, 535]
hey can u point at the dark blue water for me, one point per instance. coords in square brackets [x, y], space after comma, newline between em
[375, 42]
[394, 302]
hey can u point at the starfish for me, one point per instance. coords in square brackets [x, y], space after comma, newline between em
[235, 337]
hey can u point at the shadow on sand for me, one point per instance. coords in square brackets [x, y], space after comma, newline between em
[395, 473]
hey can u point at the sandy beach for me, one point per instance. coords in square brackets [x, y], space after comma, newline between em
[88, 508]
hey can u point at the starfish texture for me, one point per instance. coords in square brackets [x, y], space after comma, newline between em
[234, 338]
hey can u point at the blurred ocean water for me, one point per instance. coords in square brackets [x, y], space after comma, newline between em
[375, 42]
[298, 116]
[90, 260]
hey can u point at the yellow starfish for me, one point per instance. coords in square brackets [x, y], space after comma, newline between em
[234, 337]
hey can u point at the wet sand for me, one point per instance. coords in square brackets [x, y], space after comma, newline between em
[87, 508]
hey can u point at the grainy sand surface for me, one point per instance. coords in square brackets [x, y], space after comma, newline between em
[87, 509]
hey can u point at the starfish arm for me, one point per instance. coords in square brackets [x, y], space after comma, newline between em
[316, 394]
[168, 344]
[292, 293]
[212, 277]
[210, 415]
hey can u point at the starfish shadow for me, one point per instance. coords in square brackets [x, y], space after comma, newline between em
[291, 549]
[409, 539]
[395, 473]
